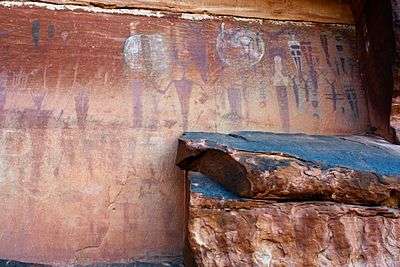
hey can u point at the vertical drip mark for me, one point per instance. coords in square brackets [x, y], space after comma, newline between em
[45, 77]
[324, 44]
[38, 100]
[137, 95]
[334, 96]
[3, 97]
[198, 52]
[184, 90]
[353, 67]
[81, 108]
[36, 121]
[353, 101]
[296, 92]
[76, 68]
[51, 30]
[59, 78]
[337, 67]
[312, 81]
[36, 32]
[280, 81]
[146, 53]
[342, 63]
[3, 80]
[283, 103]
[126, 225]
[235, 105]
[340, 58]
[263, 95]
[301, 92]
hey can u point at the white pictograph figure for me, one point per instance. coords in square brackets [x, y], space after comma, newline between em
[147, 57]
[239, 47]
[299, 86]
[295, 52]
[145, 51]
[240, 50]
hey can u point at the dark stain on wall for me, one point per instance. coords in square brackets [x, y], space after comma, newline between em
[36, 32]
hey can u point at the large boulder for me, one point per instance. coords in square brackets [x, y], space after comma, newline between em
[226, 230]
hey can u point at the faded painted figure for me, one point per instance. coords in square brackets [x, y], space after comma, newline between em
[147, 57]
[240, 47]
[183, 103]
[239, 50]
[82, 107]
[190, 94]
[347, 82]
[300, 90]
[311, 80]
[280, 83]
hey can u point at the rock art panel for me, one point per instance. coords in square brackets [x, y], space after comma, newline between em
[90, 117]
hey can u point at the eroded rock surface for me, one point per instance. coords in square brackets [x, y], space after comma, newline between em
[225, 230]
[395, 115]
[353, 170]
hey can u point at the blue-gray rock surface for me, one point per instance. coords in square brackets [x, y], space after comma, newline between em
[353, 169]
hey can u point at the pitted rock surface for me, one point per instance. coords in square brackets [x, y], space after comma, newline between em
[224, 230]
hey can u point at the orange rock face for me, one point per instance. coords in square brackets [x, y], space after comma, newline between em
[92, 102]
[226, 231]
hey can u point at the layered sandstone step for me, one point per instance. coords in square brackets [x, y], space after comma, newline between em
[357, 170]
[226, 230]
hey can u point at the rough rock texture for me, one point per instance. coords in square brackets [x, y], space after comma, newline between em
[378, 27]
[224, 230]
[328, 11]
[395, 116]
[354, 170]
[375, 45]
[177, 262]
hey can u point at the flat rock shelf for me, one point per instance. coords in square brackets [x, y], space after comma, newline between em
[357, 170]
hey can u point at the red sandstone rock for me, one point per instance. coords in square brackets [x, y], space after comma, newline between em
[226, 231]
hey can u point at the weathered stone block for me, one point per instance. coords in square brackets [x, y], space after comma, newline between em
[353, 170]
[225, 230]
